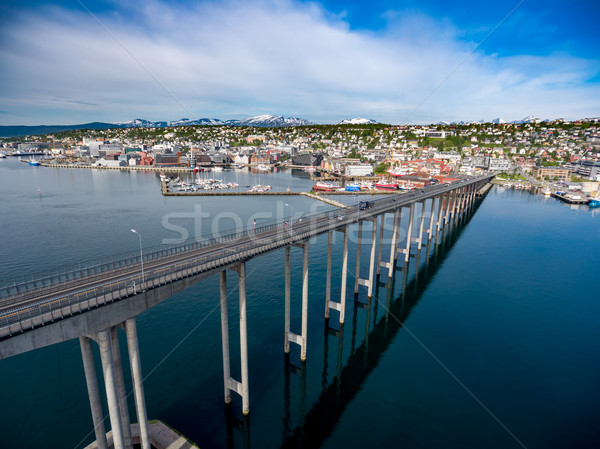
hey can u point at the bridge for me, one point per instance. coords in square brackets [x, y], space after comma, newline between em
[92, 302]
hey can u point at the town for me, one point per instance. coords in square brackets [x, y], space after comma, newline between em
[412, 156]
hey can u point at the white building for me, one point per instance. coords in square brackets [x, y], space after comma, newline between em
[499, 164]
[358, 170]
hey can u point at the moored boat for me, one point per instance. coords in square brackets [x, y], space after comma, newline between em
[325, 187]
[386, 186]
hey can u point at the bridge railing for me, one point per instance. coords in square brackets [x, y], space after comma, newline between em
[55, 280]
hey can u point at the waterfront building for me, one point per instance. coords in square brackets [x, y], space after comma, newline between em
[559, 173]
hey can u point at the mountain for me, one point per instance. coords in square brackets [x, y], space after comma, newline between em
[35, 130]
[201, 121]
[498, 121]
[442, 123]
[528, 119]
[269, 121]
[140, 123]
[358, 121]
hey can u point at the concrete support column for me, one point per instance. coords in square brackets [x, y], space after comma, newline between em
[419, 239]
[114, 339]
[225, 334]
[138, 387]
[463, 198]
[328, 281]
[110, 382]
[358, 247]
[441, 205]
[395, 238]
[93, 392]
[304, 300]
[471, 196]
[241, 269]
[372, 259]
[381, 226]
[447, 211]
[431, 219]
[409, 233]
[453, 204]
[286, 345]
[344, 276]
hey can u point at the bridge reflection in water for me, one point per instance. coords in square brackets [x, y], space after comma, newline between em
[384, 318]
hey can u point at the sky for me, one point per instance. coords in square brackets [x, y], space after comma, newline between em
[398, 62]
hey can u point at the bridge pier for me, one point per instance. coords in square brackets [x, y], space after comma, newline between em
[441, 205]
[431, 219]
[91, 380]
[418, 240]
[409, 239]
[120, 381]
[358, 247]
[230, 384]
[381, 226]
[369, 281]
[341, 306]
[112, 368]
[328, 280]
[110, 382]
[136, 376]
[289, 335]
[393, 246]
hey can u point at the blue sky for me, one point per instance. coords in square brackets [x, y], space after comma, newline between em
[397, 62]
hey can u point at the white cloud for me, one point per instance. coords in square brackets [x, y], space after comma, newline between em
[237, 59]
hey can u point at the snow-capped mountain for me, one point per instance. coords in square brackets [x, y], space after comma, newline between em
[357, 121]
[269, 121]
[140, 123]
[498, 121]
[442, 123]
[201, 121]
[260, 121]
[528, 119]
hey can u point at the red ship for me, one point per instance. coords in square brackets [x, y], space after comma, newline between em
[386, 186]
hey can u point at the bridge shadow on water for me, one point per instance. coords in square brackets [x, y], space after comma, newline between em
[319, 422]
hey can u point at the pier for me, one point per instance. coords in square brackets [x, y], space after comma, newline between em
[99, 303]
[567, 198]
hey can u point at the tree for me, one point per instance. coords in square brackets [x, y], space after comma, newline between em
[382, 168]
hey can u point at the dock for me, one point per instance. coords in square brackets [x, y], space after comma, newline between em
[329, 201]
[481, 192]
[569, 199]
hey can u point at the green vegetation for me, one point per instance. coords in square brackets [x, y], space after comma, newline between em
[382, 168]
[511, 176]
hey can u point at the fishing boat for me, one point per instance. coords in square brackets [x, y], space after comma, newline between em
[263, 167]
[547, 191]
[34, 162]
[325, 187]
[382, 185]
[594, 200]
[355, 187]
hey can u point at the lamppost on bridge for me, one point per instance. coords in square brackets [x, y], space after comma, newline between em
[141, 254]
[291, 213]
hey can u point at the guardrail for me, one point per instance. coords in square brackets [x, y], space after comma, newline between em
[99, 290]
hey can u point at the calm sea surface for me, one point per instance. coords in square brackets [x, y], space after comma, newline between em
[489, 340]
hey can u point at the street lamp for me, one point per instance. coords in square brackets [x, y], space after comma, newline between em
[291, 214]
[141, 255]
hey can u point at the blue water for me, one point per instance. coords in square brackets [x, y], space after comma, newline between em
[493, 342]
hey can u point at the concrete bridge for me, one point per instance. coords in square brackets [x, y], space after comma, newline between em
[91, 303]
